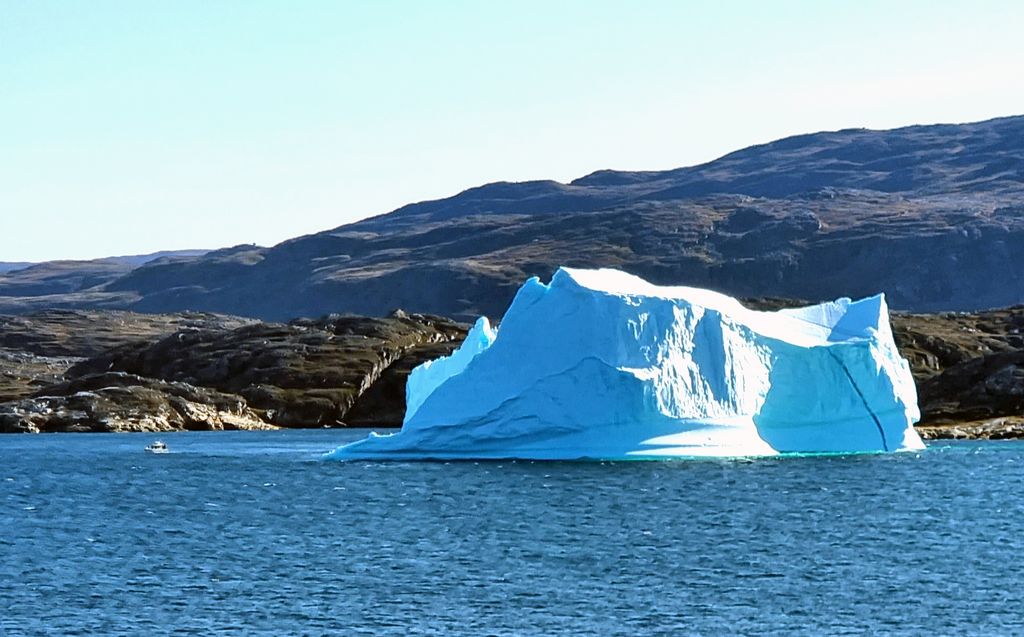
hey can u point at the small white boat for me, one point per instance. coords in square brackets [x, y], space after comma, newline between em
[157, 446]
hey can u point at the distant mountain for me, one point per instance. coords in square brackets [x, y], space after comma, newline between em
[931, 215]
[72, 284]
[136, 260]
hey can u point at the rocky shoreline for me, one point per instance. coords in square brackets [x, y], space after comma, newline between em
[995, 429]
[114, 371]
[96, 371]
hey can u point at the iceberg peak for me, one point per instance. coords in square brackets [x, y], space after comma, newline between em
[428, 376]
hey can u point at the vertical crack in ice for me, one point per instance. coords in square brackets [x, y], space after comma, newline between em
[849, 376]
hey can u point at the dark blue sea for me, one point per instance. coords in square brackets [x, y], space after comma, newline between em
[249, 533]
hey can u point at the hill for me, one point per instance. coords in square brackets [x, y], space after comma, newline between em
[931, 215]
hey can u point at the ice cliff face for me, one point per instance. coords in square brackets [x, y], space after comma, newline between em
[602, 364]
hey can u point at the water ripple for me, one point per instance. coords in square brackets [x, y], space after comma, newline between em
[220, 538]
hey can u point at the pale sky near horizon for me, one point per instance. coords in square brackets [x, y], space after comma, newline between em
[134, 126]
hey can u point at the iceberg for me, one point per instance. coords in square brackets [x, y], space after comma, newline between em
[600, 364]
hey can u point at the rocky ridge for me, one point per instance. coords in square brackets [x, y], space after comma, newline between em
[172, 372]
[119, 371]
[930, 215]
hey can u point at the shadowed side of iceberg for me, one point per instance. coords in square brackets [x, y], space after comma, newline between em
[854, 393]
[550, 421]
[427, 377]
[803, 413]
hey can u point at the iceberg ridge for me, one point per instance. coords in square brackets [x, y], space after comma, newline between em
[602, 364]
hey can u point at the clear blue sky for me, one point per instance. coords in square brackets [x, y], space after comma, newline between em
[134, 126]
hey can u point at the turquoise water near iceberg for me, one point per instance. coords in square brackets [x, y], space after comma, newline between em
[249, 533]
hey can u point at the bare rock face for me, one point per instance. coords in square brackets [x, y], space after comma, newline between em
[308, 373]
[383, 403]
[980, 389]
[36, 350]
[969, 369]
[122, 402]
[118, 371]
[23, 373]
[84, 333]
[991, 429]
[935, 342]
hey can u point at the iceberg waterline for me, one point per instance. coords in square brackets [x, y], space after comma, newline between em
[602, 364]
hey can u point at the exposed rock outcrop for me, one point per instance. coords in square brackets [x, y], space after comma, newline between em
[23, 373]
[993, 429]
[84, 333]
[308, 373]
[128, 372]
[985, 388]
[123, 402]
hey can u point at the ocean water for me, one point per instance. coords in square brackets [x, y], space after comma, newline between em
[249, 533]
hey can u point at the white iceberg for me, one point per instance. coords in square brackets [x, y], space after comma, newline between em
[601, 364]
